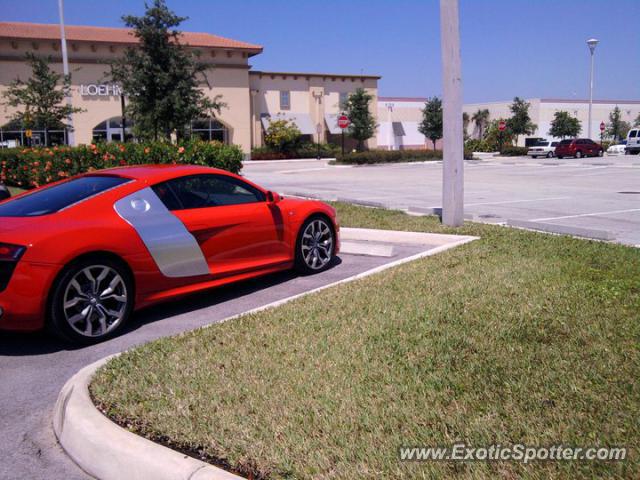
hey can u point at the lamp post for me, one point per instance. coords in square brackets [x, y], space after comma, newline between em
[389, 119]
[71, 140]
[592, 42]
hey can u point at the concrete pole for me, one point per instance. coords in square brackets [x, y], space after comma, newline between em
[453, 147]
[71, 138]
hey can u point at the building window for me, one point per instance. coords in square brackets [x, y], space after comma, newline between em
[285, 100]
[111, 130]
[344, 98]
[209, 129]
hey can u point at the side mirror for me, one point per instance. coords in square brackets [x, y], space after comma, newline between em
[272, 197]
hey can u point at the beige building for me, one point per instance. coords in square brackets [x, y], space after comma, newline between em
[252, 98]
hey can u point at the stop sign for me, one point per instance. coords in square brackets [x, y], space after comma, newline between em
[502, 125]
[343, 121]
[602, 126]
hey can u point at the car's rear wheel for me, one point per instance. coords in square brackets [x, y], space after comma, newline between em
[578, 154]
[600, 153]
[549, 154]
[315, 246]
[91, 301]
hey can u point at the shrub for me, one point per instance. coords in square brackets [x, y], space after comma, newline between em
[389, 156]
[510, 151]
[282, 135]
[32, 167]
[304, 150]
[476, 145]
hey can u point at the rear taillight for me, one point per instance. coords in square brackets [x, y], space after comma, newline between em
[10, 252]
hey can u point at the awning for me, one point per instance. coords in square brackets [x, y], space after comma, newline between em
[398, 129]
[302, 121]
[332, 123]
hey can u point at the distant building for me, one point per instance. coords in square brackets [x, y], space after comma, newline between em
[311, 100]
[398, 117]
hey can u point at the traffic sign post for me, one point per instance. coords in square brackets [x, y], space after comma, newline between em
[343, 123]
[501, 126]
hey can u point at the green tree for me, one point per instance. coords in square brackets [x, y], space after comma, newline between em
[520, 122]
[282, 135]
[39, 99]
[465, 125]
[431, 124]
[481, 119]
[617, 128]
[160, 76]
[564, 125]
[363, 125]
[636, 122]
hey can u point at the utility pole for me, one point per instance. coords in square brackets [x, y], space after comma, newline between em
[453, 146]
[71, 137]
[592, 42]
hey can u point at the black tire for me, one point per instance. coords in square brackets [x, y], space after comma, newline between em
[578, 154]
[534, 156]
[560, 157]
[102, 307]
[550, 155]
[600, 153]
[315, 254]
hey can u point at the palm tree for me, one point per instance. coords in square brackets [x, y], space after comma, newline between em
[481, 118]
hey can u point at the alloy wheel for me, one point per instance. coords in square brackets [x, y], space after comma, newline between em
[317, 244]
[95, 301]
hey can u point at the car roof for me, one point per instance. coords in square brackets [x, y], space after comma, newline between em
[153, 173]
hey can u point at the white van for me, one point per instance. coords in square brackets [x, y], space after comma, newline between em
[633, 141]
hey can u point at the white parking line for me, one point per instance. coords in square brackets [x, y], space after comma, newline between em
[585, 215]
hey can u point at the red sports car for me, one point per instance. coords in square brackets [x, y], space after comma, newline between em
[80, 255]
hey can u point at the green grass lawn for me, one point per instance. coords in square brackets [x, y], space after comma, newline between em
[519, 337]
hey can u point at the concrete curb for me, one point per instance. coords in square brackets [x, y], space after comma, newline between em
[562, 229]
[107, 451]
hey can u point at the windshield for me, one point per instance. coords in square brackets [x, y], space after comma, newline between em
[53, 199]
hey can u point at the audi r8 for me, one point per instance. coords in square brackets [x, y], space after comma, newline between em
[79, 256]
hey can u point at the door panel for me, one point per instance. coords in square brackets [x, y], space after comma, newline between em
[236, 238]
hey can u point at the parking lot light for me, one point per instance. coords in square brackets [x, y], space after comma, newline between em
[592, 42]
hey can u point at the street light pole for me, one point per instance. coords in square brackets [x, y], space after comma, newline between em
[592, 42]
[453, 148]
[71, 138]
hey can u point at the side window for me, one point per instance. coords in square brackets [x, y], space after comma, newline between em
[554, 144]
[203, 191]
[633, 133]
[285, 100]
[344, 98]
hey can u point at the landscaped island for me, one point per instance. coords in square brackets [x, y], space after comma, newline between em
[518, 337]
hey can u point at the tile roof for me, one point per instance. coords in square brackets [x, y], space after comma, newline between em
[79, 33]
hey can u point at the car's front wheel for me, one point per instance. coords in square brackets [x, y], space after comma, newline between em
[315, 246]
[91, 301]
[600, 153]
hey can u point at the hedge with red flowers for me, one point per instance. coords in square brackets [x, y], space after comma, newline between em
[32, 167]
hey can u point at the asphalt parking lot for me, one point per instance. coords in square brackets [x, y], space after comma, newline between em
[34, 367]
[597, 194]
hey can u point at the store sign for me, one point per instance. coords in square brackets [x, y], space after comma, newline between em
[100, 90]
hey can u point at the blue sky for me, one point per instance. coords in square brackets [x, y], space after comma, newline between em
[509, 47]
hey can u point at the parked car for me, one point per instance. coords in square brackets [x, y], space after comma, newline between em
[78, 256]
[4, 192]
[579, 147]
[633, 141]
[544, 148]
[617, 149]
